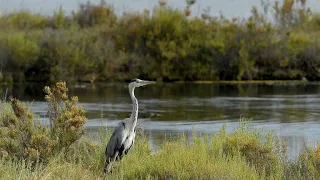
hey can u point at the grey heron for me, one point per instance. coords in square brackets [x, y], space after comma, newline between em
[122, 139]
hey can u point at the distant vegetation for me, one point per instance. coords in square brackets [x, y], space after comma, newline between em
[165, 44]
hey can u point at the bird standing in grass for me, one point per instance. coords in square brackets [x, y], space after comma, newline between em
[122, 139]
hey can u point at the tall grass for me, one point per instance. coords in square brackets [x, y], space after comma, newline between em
[94, 44]
[178, 159]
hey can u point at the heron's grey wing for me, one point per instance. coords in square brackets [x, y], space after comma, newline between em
[115, 142]
[132, 142]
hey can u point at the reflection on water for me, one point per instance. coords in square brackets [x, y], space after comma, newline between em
[290, 110]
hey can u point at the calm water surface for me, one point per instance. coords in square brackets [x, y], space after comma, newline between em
[168, 109]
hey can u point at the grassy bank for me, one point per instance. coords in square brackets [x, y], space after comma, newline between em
[29, 150]
[165, 44]
[239, 155]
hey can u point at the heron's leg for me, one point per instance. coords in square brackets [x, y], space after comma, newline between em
[107, 166]
[109, 163]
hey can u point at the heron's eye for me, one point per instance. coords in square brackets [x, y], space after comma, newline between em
[133, 80]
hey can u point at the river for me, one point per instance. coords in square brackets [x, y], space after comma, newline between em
[289, 110]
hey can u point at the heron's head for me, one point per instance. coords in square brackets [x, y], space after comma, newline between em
[138, 82]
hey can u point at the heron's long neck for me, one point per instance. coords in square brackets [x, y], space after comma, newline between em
[134, 114]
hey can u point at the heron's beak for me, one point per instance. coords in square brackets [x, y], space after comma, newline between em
[144, 82]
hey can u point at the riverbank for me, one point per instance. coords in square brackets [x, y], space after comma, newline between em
[252, 82]
[96, 45]
[271, 82]
[242, 154]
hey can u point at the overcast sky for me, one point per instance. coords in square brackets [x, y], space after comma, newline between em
[229, 8]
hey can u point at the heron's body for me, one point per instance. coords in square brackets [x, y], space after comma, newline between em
[122, 139]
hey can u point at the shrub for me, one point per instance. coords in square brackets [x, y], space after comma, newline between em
[24, 138]
[66, 116]
[22, 20]
[21, 136]
[23, 53]
[90, 15]
[262, 156]
[298, 42]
